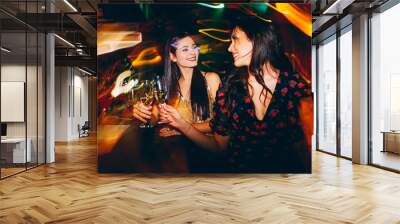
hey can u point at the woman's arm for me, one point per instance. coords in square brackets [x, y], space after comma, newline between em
[203, 127]
[212, 143]
[213, 82]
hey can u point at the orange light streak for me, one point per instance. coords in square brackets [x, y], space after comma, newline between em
[298, 17]
[205, 32]
[141, 58]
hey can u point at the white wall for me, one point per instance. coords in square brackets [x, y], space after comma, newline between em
[61, 103]
[34, 124]
[80, 111]
[16, 73]
[71, 102]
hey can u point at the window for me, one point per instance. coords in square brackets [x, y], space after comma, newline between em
[22, 69]
[327, 96]
[346, 92]
[385, 89]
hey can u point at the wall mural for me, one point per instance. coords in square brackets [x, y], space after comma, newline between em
[204, 88]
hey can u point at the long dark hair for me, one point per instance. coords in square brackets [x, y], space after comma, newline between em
[172, 73]
[267, 48]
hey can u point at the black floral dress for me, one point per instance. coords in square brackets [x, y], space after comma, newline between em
[275, 144]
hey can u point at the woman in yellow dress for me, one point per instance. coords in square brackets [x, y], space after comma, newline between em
[191, 92]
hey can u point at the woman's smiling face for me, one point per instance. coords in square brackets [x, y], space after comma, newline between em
[186, 54]
[241, 48]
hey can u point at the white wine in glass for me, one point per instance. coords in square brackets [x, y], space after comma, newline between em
[147, 99]
[160, 93]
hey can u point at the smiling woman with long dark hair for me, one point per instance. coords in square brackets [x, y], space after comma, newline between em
[176, 74]
[259, 110]
[191, 93]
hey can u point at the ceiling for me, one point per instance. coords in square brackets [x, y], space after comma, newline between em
[76, 25]
[75, 21]
[330, 15]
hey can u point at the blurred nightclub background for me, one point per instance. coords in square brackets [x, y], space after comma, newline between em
[130, 43]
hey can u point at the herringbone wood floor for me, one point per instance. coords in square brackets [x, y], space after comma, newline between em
[71, 191]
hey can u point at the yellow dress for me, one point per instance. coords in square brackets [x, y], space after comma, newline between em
[172, 152]
[184, 107]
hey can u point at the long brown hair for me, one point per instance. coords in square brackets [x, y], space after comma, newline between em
[172, 73]
[267, 49]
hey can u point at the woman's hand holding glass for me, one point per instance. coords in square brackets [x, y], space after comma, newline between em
[171, 116]
[143, 109]
[162, 99]
[142, 112]
[160, 92]
[168, 132]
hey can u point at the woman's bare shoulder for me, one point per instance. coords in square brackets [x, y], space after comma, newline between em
[212, 77]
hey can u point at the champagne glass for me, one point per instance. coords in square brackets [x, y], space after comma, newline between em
[195, 118]
[160, 93]
[147, 99]
[197, 113]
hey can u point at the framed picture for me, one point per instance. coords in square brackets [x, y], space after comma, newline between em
[204, 88]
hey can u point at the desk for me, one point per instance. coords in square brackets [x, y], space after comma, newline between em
[391, 141]
[15, 148]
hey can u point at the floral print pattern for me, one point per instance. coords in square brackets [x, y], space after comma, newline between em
[274, 144]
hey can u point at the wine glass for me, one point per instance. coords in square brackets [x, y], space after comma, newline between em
[160, 93]
[147, 99]
[197, 114]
